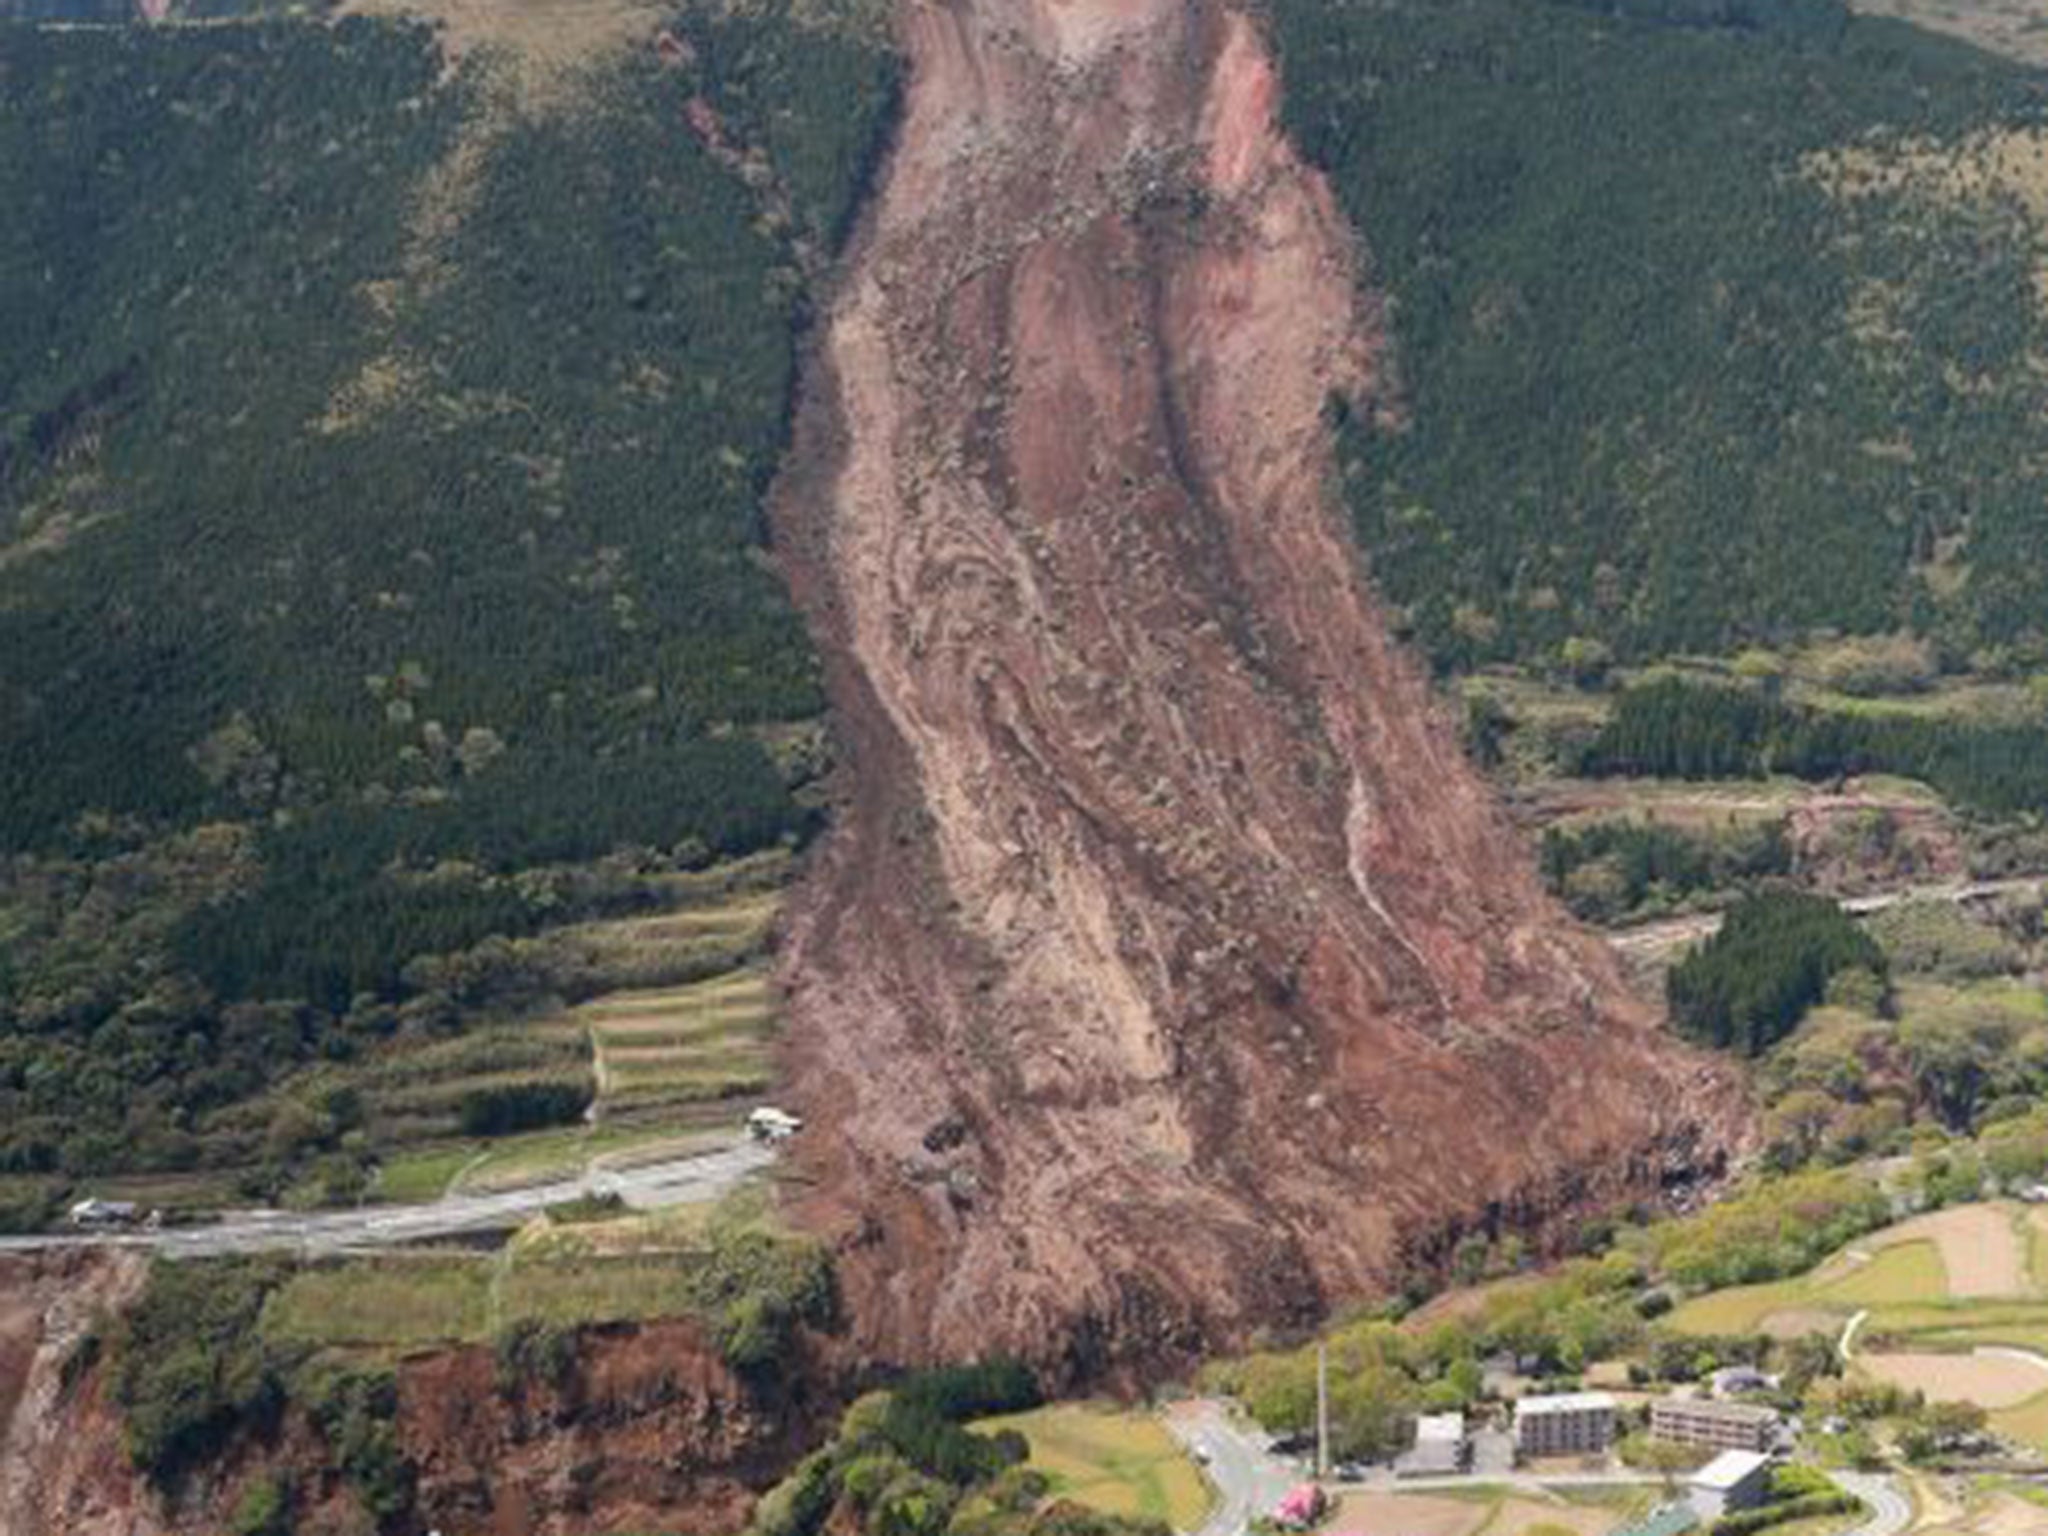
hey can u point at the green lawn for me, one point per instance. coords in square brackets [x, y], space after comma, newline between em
[597, 1290]
[417, 1176]
[1119, 1463]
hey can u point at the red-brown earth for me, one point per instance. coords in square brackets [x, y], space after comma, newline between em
[1168, 973]
[647, 1430]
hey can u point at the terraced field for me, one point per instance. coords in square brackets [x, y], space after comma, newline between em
[1955, 1304]
[677, 1044]
[710, 1043]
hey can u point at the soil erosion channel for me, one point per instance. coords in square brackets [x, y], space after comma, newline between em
[1167, 972]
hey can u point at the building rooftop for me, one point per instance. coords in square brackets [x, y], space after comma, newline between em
[1728, 1469]
[1566, 1402]
[1440, 1426]
[1705, 1407]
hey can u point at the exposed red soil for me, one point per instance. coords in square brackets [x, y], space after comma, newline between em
[62, 1466]
[648, 1430]
[651, 1431]
[1167, 974]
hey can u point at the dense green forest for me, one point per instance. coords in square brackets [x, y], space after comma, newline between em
[1664, 385]
[1608, 871]
[1675, 728]
[1749, 985]
[381, 475]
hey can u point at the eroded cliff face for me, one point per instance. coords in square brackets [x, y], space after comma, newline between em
[62, 1463]
[647, 1429]
[1168, 973]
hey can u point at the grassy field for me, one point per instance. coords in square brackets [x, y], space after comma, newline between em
[385, 1303]
[1119, 1463]
[1874, 1273]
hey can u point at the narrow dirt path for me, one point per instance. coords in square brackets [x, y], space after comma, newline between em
[1168, 973]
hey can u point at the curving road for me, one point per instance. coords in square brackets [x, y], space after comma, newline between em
[1891, 1512]
[678, 1181]
[1651, 938]
[1247, 1479]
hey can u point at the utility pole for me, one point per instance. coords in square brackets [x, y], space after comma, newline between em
[1322, 1411]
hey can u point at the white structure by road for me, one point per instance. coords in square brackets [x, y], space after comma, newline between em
[1733, 1480]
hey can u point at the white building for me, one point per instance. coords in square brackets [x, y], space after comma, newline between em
[1715, 1425]
[1733, 1480]
[1565, 1424]
[1441, 1447]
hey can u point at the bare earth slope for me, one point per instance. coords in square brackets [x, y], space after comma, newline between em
[1168, 973]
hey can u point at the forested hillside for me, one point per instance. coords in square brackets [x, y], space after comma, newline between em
[381, 465]
[1713, 322]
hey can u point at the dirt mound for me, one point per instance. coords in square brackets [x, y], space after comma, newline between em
[1168, 973]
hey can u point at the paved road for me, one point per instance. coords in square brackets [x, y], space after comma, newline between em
[1891, 1512]
[675, 1182]
[1248, 1479]
[1650, 938]
[1848, 1340]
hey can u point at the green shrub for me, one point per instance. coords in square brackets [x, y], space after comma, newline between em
[800, 1503]
[510, 1107]
[1748, 1521]
[1791, 1480]
[189, 1367]
[529, 1352]
[264, 1508]
[1940, 938]
[757, 1288]
[357, 1413]
[1607, 870]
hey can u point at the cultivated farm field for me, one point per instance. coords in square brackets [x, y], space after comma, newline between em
[1953, 1304]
